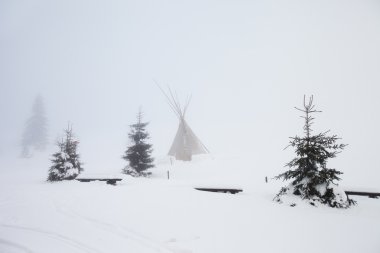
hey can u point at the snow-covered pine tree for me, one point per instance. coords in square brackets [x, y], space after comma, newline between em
[66, 164]
[138, 155]
[311, 179]
[34, 135]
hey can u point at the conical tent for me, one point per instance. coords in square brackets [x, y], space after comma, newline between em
[185, 143]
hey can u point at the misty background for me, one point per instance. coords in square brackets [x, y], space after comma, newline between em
[246, 64]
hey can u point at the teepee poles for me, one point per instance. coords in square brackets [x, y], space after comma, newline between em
[185, 143]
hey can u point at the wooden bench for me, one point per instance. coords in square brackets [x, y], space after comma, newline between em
[224, 190]
[374, 195]
[111, 181]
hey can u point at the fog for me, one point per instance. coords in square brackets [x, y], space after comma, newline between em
[246, 64]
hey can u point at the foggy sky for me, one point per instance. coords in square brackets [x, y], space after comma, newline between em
[246, 64]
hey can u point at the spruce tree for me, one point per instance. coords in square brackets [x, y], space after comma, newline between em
[138, 155]
[34, 136]
[310, 178]
[66, 164]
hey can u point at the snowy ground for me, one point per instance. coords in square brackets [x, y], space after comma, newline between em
[160, 215]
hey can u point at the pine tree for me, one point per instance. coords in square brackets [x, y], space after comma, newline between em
[139, 153]
[35, 135]
[311, 179]
[66, 164]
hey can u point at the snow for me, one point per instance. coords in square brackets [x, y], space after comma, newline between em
[160, 215]
[247, 63]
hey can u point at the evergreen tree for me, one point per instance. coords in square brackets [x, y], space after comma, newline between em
[66, 164]
[311, 179]
[35, 135]
[139, 153]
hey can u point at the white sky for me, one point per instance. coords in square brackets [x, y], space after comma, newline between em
[246, 63]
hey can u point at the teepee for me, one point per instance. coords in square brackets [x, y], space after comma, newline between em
[185, 143]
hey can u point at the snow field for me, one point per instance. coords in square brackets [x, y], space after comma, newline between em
[160, 215]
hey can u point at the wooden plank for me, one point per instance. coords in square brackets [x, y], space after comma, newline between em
[83, 180]
[98, 179]
[223, 190]
[369, 194]
[111, 181]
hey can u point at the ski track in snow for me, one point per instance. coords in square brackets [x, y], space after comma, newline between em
[61, 238]
[121, 231]
[14, 245]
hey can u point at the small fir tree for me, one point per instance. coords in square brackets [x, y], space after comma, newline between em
[311, 179]
[34, 135]
[138, 155]
[66, 164]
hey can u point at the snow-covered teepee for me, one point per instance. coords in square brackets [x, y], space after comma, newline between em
[185, 143]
